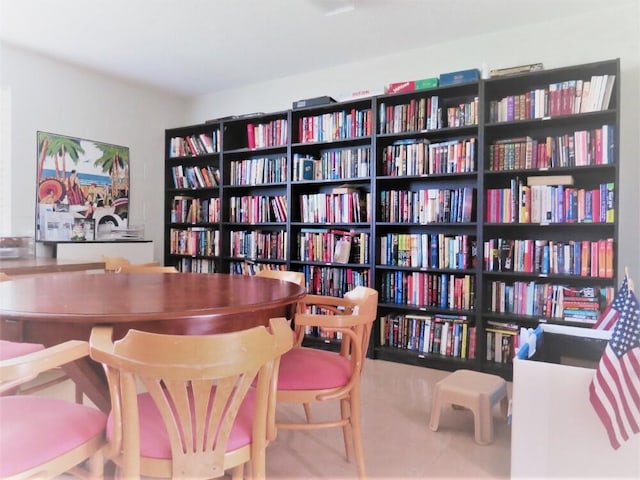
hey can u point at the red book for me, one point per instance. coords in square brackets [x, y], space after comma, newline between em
[251, 137]
[608, 269]
[602, 255]
[594, 259]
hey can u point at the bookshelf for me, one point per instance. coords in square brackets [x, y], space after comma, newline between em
[550, 201]
[330, 228]
[192, 197]
[447, 200]
[426, 225]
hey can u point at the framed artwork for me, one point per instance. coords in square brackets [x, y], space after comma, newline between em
[83, 188]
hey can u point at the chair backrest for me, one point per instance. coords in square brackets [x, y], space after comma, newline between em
[117, 264]
[146, 269]
[197, 383]
[352, 316]
[112, 264]
[366, 301]
[285, 275]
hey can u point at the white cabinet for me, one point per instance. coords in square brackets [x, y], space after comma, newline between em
[556, 432]
[140, 251]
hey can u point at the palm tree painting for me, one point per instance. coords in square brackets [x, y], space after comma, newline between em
[83, 179]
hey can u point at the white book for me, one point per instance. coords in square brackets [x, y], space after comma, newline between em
[608, 89]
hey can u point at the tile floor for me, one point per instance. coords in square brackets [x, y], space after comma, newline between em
[398, 443]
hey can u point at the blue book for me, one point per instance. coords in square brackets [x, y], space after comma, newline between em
[462, 76]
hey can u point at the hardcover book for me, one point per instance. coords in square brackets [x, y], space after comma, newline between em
[313, 102]
[426, 83]
[462, 76]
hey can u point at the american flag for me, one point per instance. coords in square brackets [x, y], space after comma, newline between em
[615, 389]
[608, 318]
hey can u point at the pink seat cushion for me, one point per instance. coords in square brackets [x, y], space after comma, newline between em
[34, 430]
[312, 369]
[154, 440]
[15, 349]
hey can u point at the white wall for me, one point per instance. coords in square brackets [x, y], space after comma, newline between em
[54, 97]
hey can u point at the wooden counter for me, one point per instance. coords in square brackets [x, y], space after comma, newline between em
[38, 265]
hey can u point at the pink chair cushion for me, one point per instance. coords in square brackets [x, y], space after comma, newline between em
[312, 369]
[154, 440]
[15, 349]
[34, 430]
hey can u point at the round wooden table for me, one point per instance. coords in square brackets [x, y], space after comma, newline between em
[50, 309]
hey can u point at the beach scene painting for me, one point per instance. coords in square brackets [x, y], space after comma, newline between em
[83, 188]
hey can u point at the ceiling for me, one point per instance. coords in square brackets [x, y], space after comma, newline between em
[194, 47]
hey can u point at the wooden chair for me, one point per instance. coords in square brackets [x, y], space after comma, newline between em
[147, 269]
[309, 375]
[288, 276]
[46, 437]
[197, 414]
[114, 264]
[11, 349]
[285, 275]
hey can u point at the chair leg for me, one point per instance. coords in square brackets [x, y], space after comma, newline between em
[79, 395]
[237, 472]
[307, 412]
[436, 406]
[96, 466]
[347, 432]
[356, 433]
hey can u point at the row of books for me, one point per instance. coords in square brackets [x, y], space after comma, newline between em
[426, 113]
[197, 265]
[577, 149]
[249, 267]
[194, 145]
[335, 164]
[574, 257]
[261, 245]
[424, 250]
[546, 204]
[432, 205]
[556, 99]
[258, 209]
[582, 304]
[351, 207]
[258, 170]
[194, 241]
[338, 246]
[195, 177]
[447, 335]
[502, 342]
[319, 332]
[332, 126]
[195, 210]
[543, 299]
[421, 157]
[265, 135]
[421, 289]
[334, 281]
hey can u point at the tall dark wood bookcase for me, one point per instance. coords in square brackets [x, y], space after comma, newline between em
[450, 199]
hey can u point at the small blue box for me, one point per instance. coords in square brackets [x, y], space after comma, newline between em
[463, 76]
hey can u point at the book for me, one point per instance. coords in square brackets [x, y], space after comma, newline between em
[462, 76]
[529, 67]
[550, 180]
[398, 87]
[342, 250]
[426, 83]
[313, 102]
